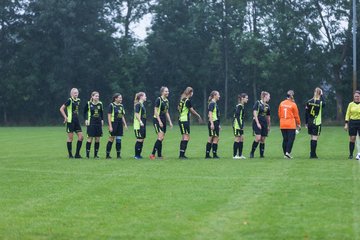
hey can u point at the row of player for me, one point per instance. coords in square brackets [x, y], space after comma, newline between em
[287, 112]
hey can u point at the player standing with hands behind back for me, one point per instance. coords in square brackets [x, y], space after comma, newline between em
[261, 123]
[289, 121]
[117, 122]
[313, 112]
[213, 124]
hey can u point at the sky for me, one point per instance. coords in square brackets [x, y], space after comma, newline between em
[140, 29]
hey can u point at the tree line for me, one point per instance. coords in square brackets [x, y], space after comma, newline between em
[49, 46]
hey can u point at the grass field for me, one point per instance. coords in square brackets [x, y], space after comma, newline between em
[44, 195]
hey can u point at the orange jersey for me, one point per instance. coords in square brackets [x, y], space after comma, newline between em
[288, 115]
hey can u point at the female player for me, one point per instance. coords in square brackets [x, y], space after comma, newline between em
[93, 113]
[116, 121]
[261, 123]
[139, 123]
[71, 118]
[213, 124]
[352, 121]
[238, 126]
[313, 112]
[288, 113]
[185, 108]
[161, 114]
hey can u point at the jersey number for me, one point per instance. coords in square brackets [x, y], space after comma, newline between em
[312, 111]
[285, 112]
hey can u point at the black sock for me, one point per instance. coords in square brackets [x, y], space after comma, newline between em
[108, 148]
[118, 148]
[182, 148]
[88, 147]
[160, 149]
[96, 148]
[262, 149]
[78, 147]
[214, 147]
[313, 144]
[186, 143]
[156, 147]
[141, 144]
[351, 148]
[137, 149]
[240, 147]
[235, 148]
[208, 149]
[254, 146]
[69, 148]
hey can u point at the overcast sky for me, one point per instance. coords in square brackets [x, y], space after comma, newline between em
[140, 28]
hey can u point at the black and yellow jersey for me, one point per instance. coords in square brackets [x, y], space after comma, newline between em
[313, 110]
[263, 110]
[184, 109]
[352, 112]
[162, 105]
[141, 110]
[72, 109]
[93, 112]
[213, 107]
[117, 111]
[238, 117]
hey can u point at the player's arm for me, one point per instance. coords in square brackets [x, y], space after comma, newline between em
[102, 114]
[62, 111]
[347, 117]
[109, 117]
[192, 110]
[296, 116]
[268, 120]
[137, 114]
[307, 115]
[86, 114]
[237, 115]
[169, 119]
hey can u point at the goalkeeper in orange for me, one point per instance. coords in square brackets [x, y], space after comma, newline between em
[289, 122]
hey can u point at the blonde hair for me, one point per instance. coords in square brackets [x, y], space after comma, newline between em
[317, 92]
[187, 92]
[162, 89]
[93, 94]
[263, 95]
[138, 96]
[73, 90]
[212, 95]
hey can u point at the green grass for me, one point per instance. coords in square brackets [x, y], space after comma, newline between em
[44, 195]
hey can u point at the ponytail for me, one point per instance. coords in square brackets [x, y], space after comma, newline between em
[116, 95]
[92, 95]
[212, 94]
[138, 96]
[186, 92]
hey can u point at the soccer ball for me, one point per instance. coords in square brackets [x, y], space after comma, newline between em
[358, 156]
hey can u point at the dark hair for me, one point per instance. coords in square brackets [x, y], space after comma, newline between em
[116, 95]
[242, 96]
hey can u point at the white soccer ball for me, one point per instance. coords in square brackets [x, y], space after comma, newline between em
[297, 131]
[357, 156]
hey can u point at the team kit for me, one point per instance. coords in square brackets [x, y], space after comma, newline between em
[288, 114]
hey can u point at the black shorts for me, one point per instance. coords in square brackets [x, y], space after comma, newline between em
[94, 130]
[118, 129]
[184, 127]
[264, 128]
[354, 127]
[238, 132]
[314, 130]
[140, 133]
[73, 126]
[216, 131]
[157, 126]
